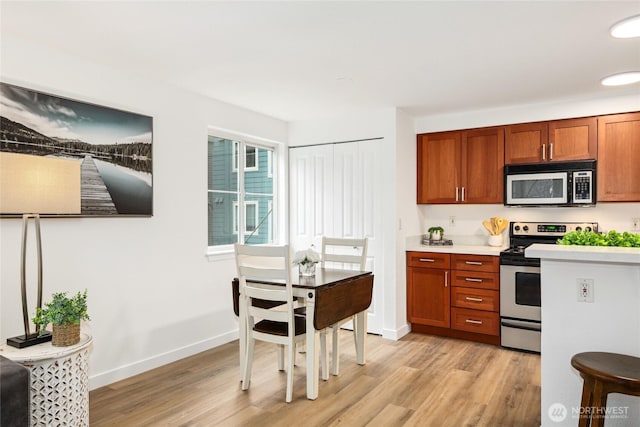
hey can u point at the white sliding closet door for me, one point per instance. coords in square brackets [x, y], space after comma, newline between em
[332, 193]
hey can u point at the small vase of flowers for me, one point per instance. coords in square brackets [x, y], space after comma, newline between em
[306, 262]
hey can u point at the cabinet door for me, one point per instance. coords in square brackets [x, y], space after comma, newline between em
[525, 143]
[482, 165]
[573, 139]
[438, 167]
[619, 158]
[428, 297]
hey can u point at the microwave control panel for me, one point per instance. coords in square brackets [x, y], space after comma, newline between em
[582, 187]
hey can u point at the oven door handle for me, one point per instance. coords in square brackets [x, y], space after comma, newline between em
[519, 325]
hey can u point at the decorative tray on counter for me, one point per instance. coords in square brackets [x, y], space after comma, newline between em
[443, 242]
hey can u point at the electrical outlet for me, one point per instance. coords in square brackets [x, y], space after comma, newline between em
[452, 221]
[585, 290]
[635, 224]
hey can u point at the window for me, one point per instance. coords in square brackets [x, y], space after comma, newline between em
[240, 174]
[250, 215]
[250, 163]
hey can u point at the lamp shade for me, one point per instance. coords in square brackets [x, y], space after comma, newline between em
[38, 184]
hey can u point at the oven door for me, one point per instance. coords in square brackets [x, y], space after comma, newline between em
[548, 188]
[520, 292]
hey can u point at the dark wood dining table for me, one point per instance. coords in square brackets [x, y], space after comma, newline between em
[330, 296]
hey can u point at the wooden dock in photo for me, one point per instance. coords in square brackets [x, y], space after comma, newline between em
[95, 198]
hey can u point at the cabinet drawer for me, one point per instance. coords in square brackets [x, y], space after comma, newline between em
[478, 299]
[475, 279]
[481, 322]
[428, 259]
[475, 262]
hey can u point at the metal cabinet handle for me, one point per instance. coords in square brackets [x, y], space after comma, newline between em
[472, 279]
[446, 279]
[473, 262]
[473, 299]
[550, 151]
[475, 322]
[544, 151]
[427, 260]
[463, 194]
[456, 194]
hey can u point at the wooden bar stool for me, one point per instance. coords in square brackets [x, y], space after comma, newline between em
[604, 373]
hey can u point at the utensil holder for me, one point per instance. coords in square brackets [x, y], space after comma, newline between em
[496, 240]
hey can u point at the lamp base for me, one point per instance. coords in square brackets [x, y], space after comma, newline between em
[33, 339]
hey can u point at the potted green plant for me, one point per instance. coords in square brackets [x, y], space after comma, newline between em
[64, 314]
[436, 233]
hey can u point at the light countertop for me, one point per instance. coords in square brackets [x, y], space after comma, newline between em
[584, 253]
[468, 245]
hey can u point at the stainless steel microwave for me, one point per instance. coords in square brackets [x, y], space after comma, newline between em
[551, 184]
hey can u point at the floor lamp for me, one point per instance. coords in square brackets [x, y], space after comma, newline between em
[32, 185]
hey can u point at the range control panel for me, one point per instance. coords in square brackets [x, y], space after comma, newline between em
[553, 229]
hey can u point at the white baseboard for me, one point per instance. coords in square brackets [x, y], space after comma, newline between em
[396, 334]
[126, 371]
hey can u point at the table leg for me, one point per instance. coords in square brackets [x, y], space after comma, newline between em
[361, 335]
[312, 351]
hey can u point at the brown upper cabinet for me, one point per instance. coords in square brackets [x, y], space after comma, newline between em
[461, 166]
[554, 141]
[619, 158]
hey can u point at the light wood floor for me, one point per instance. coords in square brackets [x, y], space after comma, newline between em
[420, 380]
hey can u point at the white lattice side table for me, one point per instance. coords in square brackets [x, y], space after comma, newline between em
[59, 381]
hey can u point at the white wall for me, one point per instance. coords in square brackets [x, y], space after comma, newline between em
[469, 217]
[408, 213]
[529, 113]
[153, 295]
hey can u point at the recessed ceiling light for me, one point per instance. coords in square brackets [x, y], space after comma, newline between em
[621, 79]
[626, 28]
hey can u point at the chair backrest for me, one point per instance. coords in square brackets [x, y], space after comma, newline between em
[346, 251]
[270, 264]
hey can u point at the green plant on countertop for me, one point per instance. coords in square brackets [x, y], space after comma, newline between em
[590, 238]
[432, 230]
[62, 310]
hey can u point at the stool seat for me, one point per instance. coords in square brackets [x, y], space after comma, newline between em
[604, 373]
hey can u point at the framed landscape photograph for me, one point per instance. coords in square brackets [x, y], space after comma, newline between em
[42, 135]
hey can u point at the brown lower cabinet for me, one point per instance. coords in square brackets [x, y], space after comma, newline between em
[456, 295]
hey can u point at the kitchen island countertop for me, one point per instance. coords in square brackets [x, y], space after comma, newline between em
[584, 253]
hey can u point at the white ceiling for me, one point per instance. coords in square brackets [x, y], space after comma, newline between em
[303, 60]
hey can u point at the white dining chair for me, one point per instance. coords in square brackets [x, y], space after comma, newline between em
[276, 325]
[343, 253]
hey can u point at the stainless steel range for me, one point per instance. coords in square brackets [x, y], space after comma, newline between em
[520, 322]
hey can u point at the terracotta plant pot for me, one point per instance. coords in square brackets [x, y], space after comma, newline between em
[65, 335]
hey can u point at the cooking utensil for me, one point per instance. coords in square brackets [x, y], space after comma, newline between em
[503, 224]
[489, 227]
